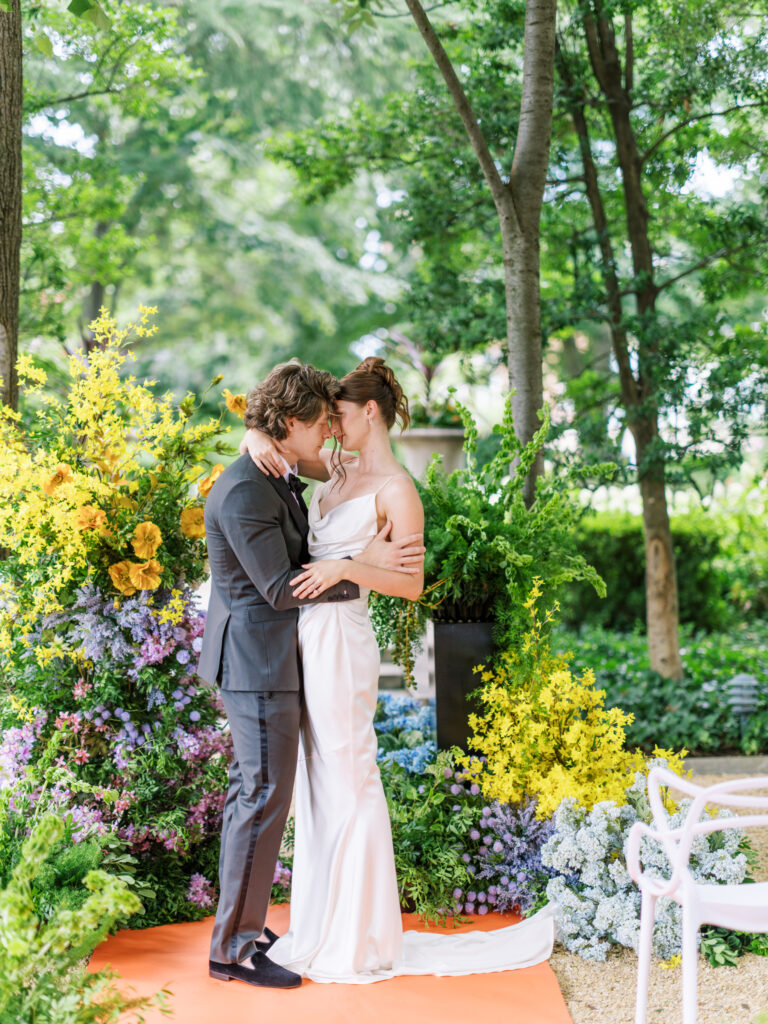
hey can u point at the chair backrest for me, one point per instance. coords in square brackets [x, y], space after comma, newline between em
[678, 842]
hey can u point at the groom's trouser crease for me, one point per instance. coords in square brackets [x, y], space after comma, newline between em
[264, 729]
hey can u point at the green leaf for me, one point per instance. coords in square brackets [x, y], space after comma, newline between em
[98, 17]
[80, 7]
[41, 42]
[5, 5]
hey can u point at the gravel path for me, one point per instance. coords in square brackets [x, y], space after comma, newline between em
[605, 993]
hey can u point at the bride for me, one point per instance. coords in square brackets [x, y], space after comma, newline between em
[345, 922]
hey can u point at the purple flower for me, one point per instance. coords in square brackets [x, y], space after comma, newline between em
[200, 891]
[474, 835]
[194, 716]
[457, 894]
[483, 909]
[474, 789]
[498, 846]
[182, 656]
[469, 908]
[471, 896]
[455, 790]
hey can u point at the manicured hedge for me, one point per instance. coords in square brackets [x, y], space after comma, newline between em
[613, 543]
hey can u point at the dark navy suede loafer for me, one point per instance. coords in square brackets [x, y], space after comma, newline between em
[263, 973]
[268, 941]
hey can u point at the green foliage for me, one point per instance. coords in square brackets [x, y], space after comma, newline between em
[42, 978]
[484, 546]
[614, 544]
[428, 834]
[723, 948]
[692, 712]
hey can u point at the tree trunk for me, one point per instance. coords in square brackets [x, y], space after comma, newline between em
[521, 253]
[638, 390]
[518, 204]
[521, 283]
[10, 196]
[662, 612]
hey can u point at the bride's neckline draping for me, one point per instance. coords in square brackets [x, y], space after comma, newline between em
[348, 501]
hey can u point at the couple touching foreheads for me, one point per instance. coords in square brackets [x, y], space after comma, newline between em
[290, 644]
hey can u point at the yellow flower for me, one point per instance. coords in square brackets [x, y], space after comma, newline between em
[192, 522]
[235, 403]
[121, 579]
[146, 540]
[145, 575]
[62, 474]
[205, 485]
[89, 518]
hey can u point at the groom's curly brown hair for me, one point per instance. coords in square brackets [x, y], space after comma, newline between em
[290, 390]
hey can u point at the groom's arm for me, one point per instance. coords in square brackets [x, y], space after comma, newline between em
[254, 532]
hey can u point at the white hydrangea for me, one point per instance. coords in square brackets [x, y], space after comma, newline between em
[596, 902]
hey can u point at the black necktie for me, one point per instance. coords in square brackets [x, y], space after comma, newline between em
[297, 486]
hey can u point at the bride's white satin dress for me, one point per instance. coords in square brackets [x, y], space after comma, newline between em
[345, 916]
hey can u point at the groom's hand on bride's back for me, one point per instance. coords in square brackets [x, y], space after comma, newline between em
[404, 555]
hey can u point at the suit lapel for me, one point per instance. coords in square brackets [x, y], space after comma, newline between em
[297, 515]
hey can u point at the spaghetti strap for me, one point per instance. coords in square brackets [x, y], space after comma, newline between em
[384, 484]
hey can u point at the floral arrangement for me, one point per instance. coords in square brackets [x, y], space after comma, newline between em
[485, 545]
[545, 732]
[597, 904]
[101, 512]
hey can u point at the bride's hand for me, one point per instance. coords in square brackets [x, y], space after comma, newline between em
[318, 577]
[263, 450]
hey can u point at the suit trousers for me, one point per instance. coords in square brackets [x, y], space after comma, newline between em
[265, 735]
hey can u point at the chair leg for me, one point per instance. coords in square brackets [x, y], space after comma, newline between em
[647, 915]
[690, 965]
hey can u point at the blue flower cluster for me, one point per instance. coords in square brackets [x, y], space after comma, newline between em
[413, 759]
[401, 713]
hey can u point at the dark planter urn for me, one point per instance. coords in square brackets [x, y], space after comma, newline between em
[459, 647]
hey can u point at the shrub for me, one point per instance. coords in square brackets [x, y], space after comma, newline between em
[693, 712]
[42, 977]
[614, 544]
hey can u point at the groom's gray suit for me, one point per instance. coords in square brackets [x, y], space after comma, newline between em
[257, 541]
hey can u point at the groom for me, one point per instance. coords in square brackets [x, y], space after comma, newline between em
[256, 528]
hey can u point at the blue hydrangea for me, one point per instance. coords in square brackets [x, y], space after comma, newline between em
[596, 902]
[414, 759]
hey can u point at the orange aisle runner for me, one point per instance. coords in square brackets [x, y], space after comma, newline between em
[176, 957]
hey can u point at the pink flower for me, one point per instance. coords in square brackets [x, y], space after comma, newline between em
[80, 689]
[82, 756]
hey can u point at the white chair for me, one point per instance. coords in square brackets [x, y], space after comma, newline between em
[739, 907]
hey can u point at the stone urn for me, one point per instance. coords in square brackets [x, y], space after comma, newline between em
[419, 444]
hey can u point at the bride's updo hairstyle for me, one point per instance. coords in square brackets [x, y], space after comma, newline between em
[374, 381]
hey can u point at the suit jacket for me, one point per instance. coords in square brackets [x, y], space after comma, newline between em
[257, 541]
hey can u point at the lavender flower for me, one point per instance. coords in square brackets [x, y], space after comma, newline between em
[200, 891]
